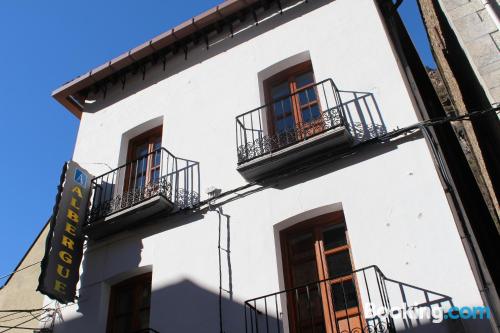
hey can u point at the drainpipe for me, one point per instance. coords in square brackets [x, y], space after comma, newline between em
[213, 192]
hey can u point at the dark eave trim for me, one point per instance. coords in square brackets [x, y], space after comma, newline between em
[71, 92]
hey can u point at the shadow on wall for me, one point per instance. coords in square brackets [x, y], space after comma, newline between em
[188, 307]
[363, 116]
[91, 308]
[424, 311]
[364, 121]
[397, 307]
[181, 307]
[327, 164]
[123, 257]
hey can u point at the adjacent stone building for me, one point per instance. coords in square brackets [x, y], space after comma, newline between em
[476, 25]
[19, 291]
[465, 40]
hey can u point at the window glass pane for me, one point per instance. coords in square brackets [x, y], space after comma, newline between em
[310, 113]
[155, 175]
[302, 256]
[302, 245]
[303, 97]
[278, 110]
[287, 106]
[157, 144]
[280, 126]
[306, 116]
[339, 264]
[145, 155]
[142, 165]
[311, 94]
[307, 96]
[304, 79]
[334, 237]
[141, 151]
[140, 181]
[289, 123]
[309, 310]
[157, 158]
[285, 124]
[280, 90]
[282, 108]
[304, 272]
[344, 295]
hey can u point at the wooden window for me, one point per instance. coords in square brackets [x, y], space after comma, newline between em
[294, 102]
[313, 251]
[144, 156]
[129, 305]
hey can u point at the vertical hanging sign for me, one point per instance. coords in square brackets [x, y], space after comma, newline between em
[64, 246]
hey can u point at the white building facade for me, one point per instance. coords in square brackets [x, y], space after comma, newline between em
[305, 203]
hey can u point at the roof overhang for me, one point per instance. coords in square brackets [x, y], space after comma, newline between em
[71, 95]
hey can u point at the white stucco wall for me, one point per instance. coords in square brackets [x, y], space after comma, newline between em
[396, 212]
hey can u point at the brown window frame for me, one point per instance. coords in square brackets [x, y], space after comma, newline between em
[290, 74]
[135, 282]
[149, 138]
[317, 226]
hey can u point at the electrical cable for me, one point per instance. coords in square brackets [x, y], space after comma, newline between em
[380, 139]
[8, 328]
[420, 126]
[28, 311]
[48, 313]
[20, 317]
[20, 269]
[24, 310]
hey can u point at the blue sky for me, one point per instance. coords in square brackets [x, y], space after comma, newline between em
[44, 44]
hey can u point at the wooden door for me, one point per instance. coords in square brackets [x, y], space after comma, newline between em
[295, 111]
[144, 159]
[308, 109]
[318, 250]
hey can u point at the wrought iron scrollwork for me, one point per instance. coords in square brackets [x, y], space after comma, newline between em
[266, 144]
[175, 179]
[378, 328]
[187, 199]
[127, 199]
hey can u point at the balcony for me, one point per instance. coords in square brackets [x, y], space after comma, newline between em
[364, 300]
[332, 305]
[307, 122]
[156, 183]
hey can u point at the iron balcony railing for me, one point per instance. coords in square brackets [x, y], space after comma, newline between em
[331, 305]
[318, 105]
[159, 173]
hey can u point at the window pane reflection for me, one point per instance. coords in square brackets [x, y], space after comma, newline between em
[339, 264]
[344, 295]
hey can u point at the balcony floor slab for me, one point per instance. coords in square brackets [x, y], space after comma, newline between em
[259, 167]
[129, 217]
